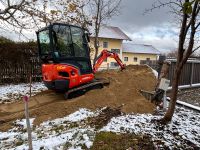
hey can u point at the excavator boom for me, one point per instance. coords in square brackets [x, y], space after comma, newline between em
[105, 54]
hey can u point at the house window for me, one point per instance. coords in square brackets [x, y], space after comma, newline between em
[115, 51]
[114, 64]
[105, 44]
[148, 59]
[125, 58]
[135, 59]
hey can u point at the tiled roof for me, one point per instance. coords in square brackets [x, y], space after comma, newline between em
[112, 33]
[139, 48]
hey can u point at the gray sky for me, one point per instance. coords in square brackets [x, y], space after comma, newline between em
[154, 28]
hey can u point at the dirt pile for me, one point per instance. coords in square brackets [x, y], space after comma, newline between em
[122, 91]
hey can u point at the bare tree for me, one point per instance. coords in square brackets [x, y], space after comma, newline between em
[187, 12]
[172, 53]
[9, 9]
[66, 11]
[28, 14]
[103, 10]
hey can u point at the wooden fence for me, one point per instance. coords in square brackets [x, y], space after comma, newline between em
[190, 73]
[16, 72]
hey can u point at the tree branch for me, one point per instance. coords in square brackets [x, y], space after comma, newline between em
[192, 33]
[15, 7]
[161, 4]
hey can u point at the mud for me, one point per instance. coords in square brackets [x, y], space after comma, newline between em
[122, 91]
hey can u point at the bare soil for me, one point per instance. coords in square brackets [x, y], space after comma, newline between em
[113, 141]
[122, 91]
[104, 117]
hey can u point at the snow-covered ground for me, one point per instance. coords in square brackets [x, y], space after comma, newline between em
[11, 92]
[73, 132]
[184, 128]
[63, 133]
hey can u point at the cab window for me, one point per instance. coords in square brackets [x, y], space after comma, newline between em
[79, 42]
[44, 41]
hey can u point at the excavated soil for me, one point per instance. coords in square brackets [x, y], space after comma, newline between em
[121, 92]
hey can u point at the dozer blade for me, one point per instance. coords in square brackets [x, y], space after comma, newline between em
[96, 82]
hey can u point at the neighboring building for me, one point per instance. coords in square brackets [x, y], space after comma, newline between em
[138, 53]
[110, 38]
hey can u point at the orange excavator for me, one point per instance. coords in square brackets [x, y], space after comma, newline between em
[65, 55]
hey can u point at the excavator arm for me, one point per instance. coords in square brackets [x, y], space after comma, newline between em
[105, 54]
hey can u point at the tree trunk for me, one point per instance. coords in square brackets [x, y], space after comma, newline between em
[164, 72]
[96, 49]
[97, 28]
[169, 114]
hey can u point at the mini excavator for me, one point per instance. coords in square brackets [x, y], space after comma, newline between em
[65, 55]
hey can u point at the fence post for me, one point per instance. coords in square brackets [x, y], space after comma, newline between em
[107, 66]
[26, 99]
[192, 74]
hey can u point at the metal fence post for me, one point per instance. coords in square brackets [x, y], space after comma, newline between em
[192, 74]
[165, 101]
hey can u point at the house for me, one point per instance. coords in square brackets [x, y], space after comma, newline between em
[138, 53]
[110, 38]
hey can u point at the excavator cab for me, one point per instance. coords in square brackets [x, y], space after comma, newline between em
[61, 43]
[64, 52]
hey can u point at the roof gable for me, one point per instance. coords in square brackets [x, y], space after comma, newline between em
[112, 33]
[139, 48]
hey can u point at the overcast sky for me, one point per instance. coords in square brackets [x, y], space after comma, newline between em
[154, 28]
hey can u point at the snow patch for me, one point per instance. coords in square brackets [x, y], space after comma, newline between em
[22, 122]
[9, 93]
[79, 115]
[154, 71]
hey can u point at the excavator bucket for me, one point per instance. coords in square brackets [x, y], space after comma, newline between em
[157, 95]
[147, 94]
[153, 96]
